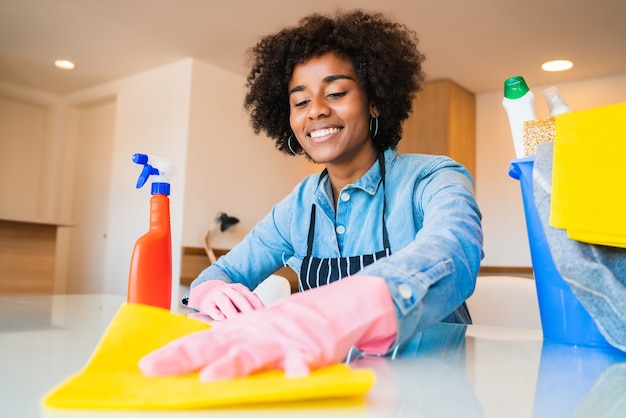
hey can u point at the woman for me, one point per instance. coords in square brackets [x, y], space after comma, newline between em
[402, 232]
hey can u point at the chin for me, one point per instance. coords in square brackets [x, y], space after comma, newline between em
[323, 156]
[317, 159]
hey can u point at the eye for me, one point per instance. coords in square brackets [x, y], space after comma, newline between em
[337, 95]
[301, 103]
[299, 100]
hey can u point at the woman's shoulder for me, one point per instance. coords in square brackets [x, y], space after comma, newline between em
[424, 161]
[420, 166]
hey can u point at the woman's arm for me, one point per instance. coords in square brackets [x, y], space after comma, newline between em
[433, 275]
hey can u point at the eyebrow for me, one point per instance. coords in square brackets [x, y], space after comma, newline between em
[327, 79]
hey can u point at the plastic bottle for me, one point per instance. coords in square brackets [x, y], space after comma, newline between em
[519, 103]
[150, 278]
[555, 101]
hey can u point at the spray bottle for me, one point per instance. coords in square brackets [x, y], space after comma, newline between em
[555, 101]
[150, 279]
[519, 103]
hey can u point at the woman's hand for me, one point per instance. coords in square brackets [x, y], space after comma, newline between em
[220, 300]
[303, 332]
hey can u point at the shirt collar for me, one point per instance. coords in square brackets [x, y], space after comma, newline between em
[368, 182]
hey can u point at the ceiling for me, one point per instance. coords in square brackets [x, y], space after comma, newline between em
[477, 43]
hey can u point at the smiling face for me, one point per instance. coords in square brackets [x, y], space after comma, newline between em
[330, 113]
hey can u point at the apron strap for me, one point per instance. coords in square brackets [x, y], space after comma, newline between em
[381, 164]
[309, 241]
[309, 249]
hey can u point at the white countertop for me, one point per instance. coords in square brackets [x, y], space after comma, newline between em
[447, 371]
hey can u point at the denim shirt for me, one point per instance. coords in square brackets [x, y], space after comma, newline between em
[434, 230]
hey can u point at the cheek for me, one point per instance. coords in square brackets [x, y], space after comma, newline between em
[361, 121]
[356, 111]
[296, 123]
[293, 119]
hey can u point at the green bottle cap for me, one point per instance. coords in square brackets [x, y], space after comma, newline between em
[515, 87]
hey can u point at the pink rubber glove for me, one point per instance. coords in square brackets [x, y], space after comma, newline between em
[303, 332]
[220, 300]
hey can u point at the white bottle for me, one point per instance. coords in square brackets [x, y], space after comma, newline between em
[519, 103]
[555, 101]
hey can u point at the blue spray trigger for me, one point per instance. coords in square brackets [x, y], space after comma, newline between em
[159, 167]
[140, 158]
[147, 171]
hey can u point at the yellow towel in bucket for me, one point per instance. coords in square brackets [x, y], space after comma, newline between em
[112, 379]
[589, 175]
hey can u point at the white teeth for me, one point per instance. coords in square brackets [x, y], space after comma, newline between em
[323, 132]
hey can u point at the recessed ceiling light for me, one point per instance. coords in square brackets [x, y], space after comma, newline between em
[64, 64]
[557, 65]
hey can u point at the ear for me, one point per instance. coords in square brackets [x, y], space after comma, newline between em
[374, 110]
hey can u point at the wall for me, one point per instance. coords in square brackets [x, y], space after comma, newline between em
[498, 195]
[92, 142]
[31, 123]
[22, 129]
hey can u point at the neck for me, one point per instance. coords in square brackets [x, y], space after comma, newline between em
[342, 175]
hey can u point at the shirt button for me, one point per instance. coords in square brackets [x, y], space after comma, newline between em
[340, 229]
[345, 197]
[405, 291]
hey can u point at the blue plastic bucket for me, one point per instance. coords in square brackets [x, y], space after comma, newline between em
[563, 318]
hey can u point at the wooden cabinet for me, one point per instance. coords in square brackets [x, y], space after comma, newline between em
[27, 256]
[443, 122]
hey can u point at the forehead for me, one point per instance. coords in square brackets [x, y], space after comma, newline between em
[318, 68]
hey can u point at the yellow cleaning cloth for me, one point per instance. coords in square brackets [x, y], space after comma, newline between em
[112, 379]
[589, 175]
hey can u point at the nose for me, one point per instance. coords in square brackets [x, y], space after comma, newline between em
[318, 108]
